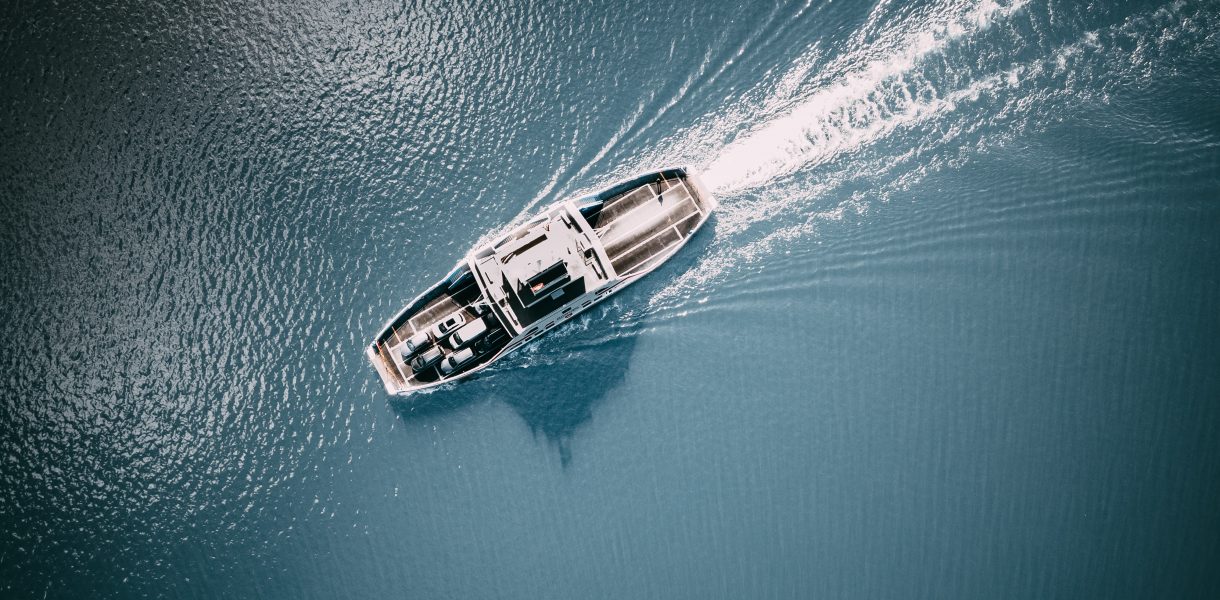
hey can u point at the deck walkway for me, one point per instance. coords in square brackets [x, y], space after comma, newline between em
[645, 223]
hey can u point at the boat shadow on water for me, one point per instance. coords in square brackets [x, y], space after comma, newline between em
[553, 387]
[555, 383]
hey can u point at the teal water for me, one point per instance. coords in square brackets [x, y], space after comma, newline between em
[953, 333]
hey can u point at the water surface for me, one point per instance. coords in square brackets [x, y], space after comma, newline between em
[952, 334]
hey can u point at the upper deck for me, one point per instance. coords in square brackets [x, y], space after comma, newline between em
[542, 266]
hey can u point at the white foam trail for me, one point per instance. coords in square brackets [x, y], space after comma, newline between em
[1074, 74]
[850, 112]
[868, 94]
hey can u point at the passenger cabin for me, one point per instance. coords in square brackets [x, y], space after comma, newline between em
[539, 268]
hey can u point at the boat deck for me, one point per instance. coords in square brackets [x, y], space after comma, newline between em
[646, 223]
[432, 312]
[446, 304]
[463, 299]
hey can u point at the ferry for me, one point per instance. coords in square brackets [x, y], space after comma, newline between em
[528, 281]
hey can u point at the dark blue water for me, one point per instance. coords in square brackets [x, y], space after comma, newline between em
[953, 333]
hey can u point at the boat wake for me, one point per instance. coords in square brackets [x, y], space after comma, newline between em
[922, 90]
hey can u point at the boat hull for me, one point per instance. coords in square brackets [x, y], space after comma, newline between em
[625, 231]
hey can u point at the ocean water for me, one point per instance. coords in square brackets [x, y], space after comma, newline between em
[952, 334]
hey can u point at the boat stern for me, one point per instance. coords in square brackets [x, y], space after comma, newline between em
[390, 377]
